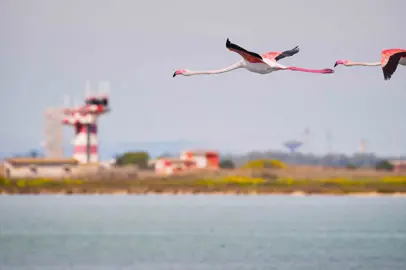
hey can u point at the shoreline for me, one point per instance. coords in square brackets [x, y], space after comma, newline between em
[206, 193]
[231, 185]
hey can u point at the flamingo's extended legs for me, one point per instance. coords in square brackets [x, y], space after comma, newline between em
[321, 71]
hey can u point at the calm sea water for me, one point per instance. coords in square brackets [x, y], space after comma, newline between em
[202, 232]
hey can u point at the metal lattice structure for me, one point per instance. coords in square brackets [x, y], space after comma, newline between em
[53, 144]
[83, 118]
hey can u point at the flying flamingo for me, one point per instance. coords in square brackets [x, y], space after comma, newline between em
[390, 59]
[262, 64]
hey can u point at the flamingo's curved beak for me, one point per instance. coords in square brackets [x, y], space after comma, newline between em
[336, 64]
[174, 74]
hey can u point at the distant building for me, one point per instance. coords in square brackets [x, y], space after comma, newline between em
[167, 166]
[38, 167]
[398, 165]
[203, 159]
[188, 160]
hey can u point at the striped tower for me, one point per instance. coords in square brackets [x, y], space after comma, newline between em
[84, 120]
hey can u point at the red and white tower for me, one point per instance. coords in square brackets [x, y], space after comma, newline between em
[84, 120]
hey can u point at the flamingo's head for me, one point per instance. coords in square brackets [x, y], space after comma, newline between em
[340, 62]
[180, 72]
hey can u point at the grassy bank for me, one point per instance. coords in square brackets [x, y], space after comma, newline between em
[194, 185]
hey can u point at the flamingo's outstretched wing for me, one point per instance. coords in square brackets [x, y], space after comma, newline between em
[276, 56]
[390, 61]
[247, 55]
[287, 53]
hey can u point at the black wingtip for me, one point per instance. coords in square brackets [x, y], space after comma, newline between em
[386, 76]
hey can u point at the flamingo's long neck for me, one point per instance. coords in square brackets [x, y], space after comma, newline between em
[367, 64]
[322, 71]
[217, 71]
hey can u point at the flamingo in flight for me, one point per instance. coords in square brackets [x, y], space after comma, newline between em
[390, 59]
[262, 64]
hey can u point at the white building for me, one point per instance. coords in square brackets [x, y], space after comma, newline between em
[38, 167]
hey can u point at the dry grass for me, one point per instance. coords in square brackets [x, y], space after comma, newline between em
[1, 170]
[313, 172]
[294, 179]
[295, 172]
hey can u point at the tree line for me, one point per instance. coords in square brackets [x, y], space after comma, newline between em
[140, 158]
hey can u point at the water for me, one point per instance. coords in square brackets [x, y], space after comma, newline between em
[202, 232]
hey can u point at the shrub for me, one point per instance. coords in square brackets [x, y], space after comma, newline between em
[243, 180]
[384, 165]
[134, 158]
[394, 179]
[265, 164]
[4, 181]
[240, 180]
[227, 164]
[38, 182]
[351, 166]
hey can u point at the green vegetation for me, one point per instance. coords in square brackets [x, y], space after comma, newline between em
[351, 166]
[36, 185]
[384, 165]
[196, 184]
[134, 158]
[227, 164]
[264, 164]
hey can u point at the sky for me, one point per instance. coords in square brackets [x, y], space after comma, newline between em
[50, 48]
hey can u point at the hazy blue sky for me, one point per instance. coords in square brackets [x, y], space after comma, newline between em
[49, 48]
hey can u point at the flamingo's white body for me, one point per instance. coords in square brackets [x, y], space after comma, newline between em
[262, 68]
[390, 59]
[261, 64]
